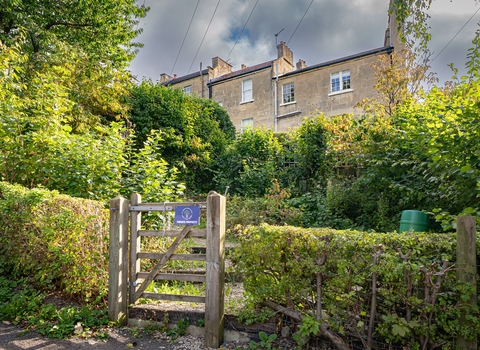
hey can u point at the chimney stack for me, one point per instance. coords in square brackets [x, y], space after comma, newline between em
[165, 77]
[243, 66]
[301, 64]
[283, 51]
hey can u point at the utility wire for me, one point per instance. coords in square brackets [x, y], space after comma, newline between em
[311, 2]
[298, 25]
[181, 46]
[455, 35]
[204, 35]
[238, 37]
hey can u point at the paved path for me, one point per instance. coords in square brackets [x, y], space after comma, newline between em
[14, 337]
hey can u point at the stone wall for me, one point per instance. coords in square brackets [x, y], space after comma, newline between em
[312, 88]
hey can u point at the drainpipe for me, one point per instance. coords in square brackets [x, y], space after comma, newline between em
[210, 93]
[201, 78]
[275, 127]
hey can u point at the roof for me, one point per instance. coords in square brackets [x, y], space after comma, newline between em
[185, 77]
[387, 49]
[244, 71]
[268, 64]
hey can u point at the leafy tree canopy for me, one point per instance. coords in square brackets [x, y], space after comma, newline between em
[103, 29]
[85, 45]
[195, 131]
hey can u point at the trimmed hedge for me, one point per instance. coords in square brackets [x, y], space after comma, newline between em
[58, 242]
[279, 264]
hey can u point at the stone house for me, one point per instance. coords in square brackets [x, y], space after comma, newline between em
[278, 94]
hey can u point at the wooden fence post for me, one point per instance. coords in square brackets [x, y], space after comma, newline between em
[118, 261]
[466, 272]
[135, 223]
[215, 278]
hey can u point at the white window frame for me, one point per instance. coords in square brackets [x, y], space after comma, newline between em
[343, 83]
[288, 93]
[247, 90]
[187, 90]
[246, 123]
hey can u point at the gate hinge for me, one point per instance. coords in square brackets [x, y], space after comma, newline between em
[134, 283]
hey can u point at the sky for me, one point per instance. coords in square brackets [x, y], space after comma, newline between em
[181, 35]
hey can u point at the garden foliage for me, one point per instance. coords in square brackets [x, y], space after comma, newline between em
[194, 131]
[283, 265]
[57, 242]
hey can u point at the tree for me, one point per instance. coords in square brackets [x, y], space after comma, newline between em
[91, 40]
[104, 30]
[412, 16]
[445, 130]
[195, 131]
[250, 164]
[59, 86]
[38, 146]
[309, 146]
[398, 77]
[149, 174]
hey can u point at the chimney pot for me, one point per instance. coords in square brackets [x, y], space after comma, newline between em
[174, 76]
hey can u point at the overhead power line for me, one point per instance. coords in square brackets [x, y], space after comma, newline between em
[204, 35]
[181, 46]
[238, 37]
[455, 35]
[311, 2]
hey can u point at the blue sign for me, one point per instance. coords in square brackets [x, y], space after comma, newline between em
[187, 215]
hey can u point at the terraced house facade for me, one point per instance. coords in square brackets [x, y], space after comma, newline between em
[278, 94]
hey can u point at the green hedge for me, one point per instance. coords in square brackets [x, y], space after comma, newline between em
[279, 264]
[57, 241]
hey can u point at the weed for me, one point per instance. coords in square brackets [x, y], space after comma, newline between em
[22, 333]
[265, 341]
[180, 329]
[24, 304]
[102, 335]
[178, 287]
[135, 332]
[152, 328]
[250, 316]
[166, 320]
[200, 322]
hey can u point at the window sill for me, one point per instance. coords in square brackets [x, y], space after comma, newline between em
[243, 102]
[340, 92]
[288, 103]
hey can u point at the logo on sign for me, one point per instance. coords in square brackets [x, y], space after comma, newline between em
[187, 215]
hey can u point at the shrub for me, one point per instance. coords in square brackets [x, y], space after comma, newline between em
[249, 164]
[57, 241]
[273, 208]
[284, 264]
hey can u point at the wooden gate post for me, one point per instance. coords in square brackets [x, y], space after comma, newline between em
[118, 261]
[135, 223]
[215, 273]
[466, 272]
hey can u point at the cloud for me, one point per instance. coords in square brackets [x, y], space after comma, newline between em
[329, 30]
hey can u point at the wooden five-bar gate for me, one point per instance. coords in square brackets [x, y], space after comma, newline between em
[127, 283]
